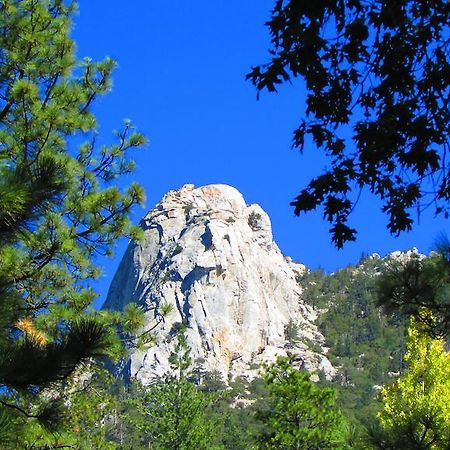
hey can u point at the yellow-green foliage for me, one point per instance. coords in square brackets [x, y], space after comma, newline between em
[416, 407]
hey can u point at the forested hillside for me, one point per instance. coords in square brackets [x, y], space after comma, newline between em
[365, 343]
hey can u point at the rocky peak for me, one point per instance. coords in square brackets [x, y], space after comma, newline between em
[211, 256]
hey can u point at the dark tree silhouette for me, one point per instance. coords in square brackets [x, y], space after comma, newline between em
[377, 71]
[420, 287]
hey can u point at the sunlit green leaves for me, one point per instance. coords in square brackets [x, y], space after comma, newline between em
[416, 406]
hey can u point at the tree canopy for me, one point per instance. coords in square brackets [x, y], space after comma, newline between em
[416, 406]
[377, 102]
[299, 415]
[171, 412]
[59, 207]
[417, 286]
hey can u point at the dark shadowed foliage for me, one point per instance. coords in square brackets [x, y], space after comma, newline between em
[377, 79]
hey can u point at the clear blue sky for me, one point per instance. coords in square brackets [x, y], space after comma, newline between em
[181, 79]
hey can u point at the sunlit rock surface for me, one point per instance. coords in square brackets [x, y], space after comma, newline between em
[211, 256]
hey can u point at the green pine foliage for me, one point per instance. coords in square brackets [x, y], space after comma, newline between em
[60, 208]
[421, 284]
[171, 413]
[189, 409]
[237, 409]
[299, 414]
[249, 415]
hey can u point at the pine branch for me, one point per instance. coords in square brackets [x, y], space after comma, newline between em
[18, 408]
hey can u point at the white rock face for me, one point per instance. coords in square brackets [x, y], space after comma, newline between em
[211, 256]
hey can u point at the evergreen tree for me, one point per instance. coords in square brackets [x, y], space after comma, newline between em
[171, 413]
[417, 286]
[365, 341]
[59, 208]
[300, 415]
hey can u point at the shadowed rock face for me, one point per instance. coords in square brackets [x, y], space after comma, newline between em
[211, 256]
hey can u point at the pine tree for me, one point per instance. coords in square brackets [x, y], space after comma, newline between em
[417, 286]
[59, 208]
[171, 412]
[300, 415]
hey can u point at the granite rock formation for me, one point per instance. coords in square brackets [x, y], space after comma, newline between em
[211, 256]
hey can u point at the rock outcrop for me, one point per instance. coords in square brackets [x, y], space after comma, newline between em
[212, 257]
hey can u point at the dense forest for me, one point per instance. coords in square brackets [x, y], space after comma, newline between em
[365, 342]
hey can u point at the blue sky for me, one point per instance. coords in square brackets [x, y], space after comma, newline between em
[181, 79]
